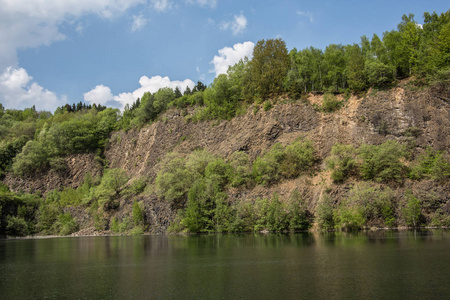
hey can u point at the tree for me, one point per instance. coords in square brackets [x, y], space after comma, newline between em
[268, 67]
[355, 67]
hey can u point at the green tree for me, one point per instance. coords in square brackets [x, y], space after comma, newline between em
[268, 67]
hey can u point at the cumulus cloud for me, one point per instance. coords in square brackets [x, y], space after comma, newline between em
[237, 26]
[102, 94]
[99, 95]
[230, 56]
[161, 5]
[17, 90]
[26, 24]
[138, 23]
[306, 14]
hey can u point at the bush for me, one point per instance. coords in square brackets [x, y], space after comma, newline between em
[218, 171]
[266, 169]
[65, 224]
[108, 189]
[431, 164]
[349, 218]
[330, 103]
[16, 226]
[300, 218]
[138, 214]
[267, 105]
[48, 214]
[114, 225]
[412, 211]
[382, 163]
[325, 214]
[242, 169]
[174, 179]
[374, 204]
[298, 157]
[342, 162]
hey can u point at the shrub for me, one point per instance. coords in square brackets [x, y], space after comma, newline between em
[382, 163]
[266, 169]
[114, 225]
[412, 211]
[218, 171]
[298, 157]
[374, 204]
[330, 103]
[349, 218]
[325, 214]
[16, 226]
[342, 162]
[174, 179]
[137, 230]
[65, 224]
[138, 214]
[299, 216]
[267, 105]
[242, 169]
[48, 214]
[431, 164]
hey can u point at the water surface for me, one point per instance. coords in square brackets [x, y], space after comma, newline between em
[375, 265]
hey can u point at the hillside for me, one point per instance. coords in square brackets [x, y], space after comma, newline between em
[417, 118]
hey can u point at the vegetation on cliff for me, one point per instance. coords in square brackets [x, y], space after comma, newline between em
[197, 185]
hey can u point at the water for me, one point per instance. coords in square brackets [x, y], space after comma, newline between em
[377, 265]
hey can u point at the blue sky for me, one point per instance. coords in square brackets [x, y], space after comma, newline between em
[112, 51]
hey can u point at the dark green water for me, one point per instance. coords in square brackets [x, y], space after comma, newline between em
[377, 265]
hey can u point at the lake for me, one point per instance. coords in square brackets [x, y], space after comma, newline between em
[372, 265]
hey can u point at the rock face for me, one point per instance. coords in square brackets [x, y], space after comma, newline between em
[78, 166]
[394, 114]
[403, 114]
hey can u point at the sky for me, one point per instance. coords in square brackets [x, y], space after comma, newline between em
[110, 52]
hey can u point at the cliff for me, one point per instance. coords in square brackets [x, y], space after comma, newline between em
[417, 116]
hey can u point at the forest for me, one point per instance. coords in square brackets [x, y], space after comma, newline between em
[33, 142]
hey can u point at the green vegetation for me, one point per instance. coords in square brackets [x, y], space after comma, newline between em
[197, 184]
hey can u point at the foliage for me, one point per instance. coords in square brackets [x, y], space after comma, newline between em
[65, 224]
[16, 226]
[268, 67]
[325, 214]
[138, 214]
[432, 164]
[330, 103]
[374, 205]
[109, 188]
[382, 163]
[266, 168]
[298, 157]
[300, 218]
[412, 211]
[342, 162]
[286, 162]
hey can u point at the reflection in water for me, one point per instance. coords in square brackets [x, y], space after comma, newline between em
[380, 264]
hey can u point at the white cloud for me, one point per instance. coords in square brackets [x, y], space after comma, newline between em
[25, 24]
[307, 14]
[161, 5]
[102, 94]
[138, 23]
[230, 56]
[203, 3]
[237, 26]
[99, 95]
[17, 90]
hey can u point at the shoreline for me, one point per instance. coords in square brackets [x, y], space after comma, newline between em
[38, 237]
